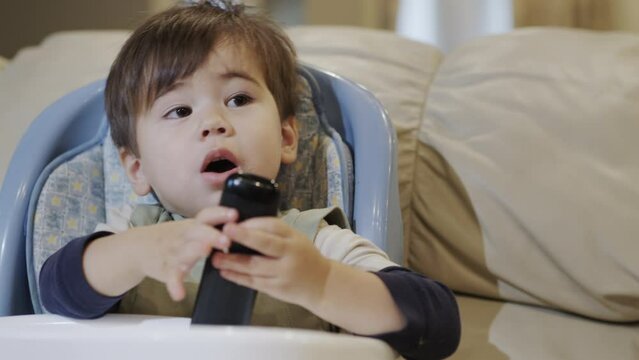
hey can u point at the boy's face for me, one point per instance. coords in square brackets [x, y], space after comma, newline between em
[221, 120]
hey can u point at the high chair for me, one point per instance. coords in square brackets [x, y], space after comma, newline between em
[67, 163]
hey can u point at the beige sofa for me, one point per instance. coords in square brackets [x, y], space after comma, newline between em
[519, 180]
[518, 169]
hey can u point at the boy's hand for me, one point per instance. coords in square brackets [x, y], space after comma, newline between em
[177, 246]
[291, 268]
[166, 252]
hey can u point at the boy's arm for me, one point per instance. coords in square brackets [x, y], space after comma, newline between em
[115, 264]
[433, 328]
[63, 287]
[415, 315]
[351, 298]
[165, 252]
[105, 266]
[89, 275]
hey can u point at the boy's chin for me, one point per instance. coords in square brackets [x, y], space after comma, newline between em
[216, 198]
[192, 209]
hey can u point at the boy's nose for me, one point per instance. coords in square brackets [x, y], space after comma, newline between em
[219, 130]
[216, 125]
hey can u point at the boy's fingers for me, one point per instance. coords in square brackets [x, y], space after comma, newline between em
[266, 243]
[217, 215]
[253, 265]
[249, 281]
[270, 225]
[240, 279]
[191, 252]
[175, 287]
[211, 236]
[262, 284]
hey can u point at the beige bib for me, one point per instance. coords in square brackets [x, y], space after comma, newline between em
[150, 296]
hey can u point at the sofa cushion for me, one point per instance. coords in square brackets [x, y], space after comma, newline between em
[492, 329]
[39, 75]
[396, 70]
[539, 126]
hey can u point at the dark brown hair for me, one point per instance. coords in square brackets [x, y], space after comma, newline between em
[172, 45]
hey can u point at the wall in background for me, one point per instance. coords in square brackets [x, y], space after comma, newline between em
[616, 15]
[367, 13]
[625, 15]
[26, 23]
[448, 23]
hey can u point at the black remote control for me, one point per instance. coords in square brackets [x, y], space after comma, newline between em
[219, 301]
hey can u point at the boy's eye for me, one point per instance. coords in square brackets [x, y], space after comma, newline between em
[179, 112]
[239, 100]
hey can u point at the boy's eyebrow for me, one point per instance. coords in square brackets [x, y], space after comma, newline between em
[228, 75]
[168, 89]
[239, 74]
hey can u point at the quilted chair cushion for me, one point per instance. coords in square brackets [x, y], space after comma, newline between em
[70, 205]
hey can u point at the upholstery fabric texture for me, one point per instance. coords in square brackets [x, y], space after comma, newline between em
[540, 127]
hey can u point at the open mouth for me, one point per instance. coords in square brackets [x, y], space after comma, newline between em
[220, 166]
[218, 162]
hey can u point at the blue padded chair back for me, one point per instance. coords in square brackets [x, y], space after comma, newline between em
[366, 128]
[65, 125]
[77, 121]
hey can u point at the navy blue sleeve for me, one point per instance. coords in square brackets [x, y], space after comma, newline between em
[433, 328]
[64, 289]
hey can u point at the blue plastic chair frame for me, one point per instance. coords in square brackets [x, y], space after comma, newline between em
[365, 126]
[77, 119]
[65, 125]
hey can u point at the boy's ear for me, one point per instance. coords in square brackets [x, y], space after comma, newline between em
[133, 169]
[290, 137]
